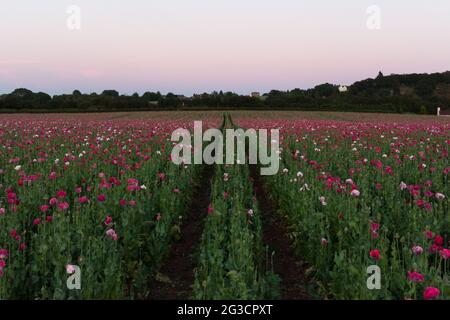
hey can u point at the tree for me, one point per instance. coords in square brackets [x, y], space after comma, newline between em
[22, 92]
[325, 90]
[151, 96]
[110, 93]
[425, 87]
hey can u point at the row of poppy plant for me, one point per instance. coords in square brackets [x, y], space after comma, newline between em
[103, 196]
[233, 261]
[362, 194]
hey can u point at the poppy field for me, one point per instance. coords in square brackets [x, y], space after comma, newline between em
[99, 193]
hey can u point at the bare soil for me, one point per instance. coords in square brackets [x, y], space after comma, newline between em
[178, 271]
[275, 235]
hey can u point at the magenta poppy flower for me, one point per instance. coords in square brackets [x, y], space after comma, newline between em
[431, 293]
[108, 220]
[83, 199]
[61, 194]
[375, 254]
[3, 254]
[63, 205]
[415, 276]
[445, 254]
[438, 240]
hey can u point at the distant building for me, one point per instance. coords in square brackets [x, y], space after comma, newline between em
[343, 88]
[182, 97]
[443, 112]
[256, 95]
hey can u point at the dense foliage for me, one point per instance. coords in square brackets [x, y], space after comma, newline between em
[413, 93]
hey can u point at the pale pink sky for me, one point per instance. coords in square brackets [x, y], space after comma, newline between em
[187, 46]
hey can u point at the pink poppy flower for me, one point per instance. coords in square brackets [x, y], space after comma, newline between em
[70, 268]
[375, 254]
[112, 234]
[3, 254]
[63, 205]
[417, 250]
[431, 293]
[108, 220]
[374, 226]
[439, 196]
[132, 188]
[101, 198]
[445, 254]
[133, 182]
[61, 194]
[13, 233]
[355, 193]
[415, 276]
[83, 199]
[434, 248]
[438, 240]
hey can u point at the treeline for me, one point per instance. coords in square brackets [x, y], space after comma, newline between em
[412, 93]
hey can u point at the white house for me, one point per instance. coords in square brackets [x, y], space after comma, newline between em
[343, 88]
